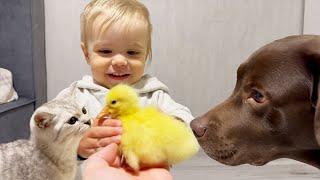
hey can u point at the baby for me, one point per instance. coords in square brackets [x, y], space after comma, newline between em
[116, 42]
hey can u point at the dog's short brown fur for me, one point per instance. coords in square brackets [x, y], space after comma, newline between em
[273, 111]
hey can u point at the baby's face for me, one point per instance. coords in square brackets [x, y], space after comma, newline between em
[118, 55]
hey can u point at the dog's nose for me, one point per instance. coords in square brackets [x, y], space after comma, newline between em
[198, 128]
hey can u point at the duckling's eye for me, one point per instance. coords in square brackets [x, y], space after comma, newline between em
[72, 120]
[84, 111]
[113, 102]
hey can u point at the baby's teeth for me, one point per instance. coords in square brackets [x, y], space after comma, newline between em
[118, 74]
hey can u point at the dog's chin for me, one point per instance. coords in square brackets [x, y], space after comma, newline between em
[261, 160]
[235, 158]
[258, 163]
[225, 156]
[230, 158]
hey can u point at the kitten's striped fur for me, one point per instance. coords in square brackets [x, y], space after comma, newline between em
[51, 151]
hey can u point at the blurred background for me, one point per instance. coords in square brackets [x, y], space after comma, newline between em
[197, 44]
[197, 47]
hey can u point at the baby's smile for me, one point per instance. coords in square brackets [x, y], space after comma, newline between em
[118, 76]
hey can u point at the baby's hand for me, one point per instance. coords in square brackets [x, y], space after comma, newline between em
[102, 133]
[113, 125]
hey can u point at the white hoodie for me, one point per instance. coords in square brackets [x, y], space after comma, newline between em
[151, 92]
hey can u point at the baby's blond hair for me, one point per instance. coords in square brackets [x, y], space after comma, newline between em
[111, 11]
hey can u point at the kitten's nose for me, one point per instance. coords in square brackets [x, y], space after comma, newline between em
[88, 122]
[198, 127]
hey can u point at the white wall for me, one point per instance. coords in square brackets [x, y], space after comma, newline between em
[65, 62]
[197, 44]
[312, 17]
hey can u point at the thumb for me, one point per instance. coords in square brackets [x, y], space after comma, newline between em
[108, 153]
[105, 157]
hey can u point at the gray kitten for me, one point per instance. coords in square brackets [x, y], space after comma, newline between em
[51, 151]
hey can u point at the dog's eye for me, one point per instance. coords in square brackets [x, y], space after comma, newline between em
[257, 96]
[72, 120]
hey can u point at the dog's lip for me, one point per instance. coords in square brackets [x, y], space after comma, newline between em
[224, 156]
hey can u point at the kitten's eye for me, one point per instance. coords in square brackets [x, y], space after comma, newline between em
[72, 120]
[132, 53]
[84, 111]
[113, 102]
[257, 96]
[105, 51]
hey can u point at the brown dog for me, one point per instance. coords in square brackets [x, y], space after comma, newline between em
[273, 111]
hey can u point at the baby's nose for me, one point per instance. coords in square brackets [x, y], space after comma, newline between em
[119, 60]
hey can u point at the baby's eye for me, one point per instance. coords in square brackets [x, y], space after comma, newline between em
[105, 51]
[133, 53]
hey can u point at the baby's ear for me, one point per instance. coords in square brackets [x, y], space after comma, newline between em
[85, 51]
[43, 119]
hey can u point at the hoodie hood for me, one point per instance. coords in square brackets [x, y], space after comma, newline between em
[146, 84]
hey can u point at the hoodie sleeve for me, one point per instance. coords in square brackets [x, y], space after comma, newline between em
[169, 106]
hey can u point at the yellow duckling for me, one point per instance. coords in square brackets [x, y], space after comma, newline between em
[150, 137]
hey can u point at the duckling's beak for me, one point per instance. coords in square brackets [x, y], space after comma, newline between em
[107, 111]
[104, 112]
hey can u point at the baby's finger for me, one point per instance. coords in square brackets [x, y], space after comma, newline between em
[87, 147]
[98, 121]
[106, 141]
[112, 123]
[89, 143]
[88, 152]
[104, 131]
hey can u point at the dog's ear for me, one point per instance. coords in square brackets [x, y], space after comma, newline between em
[311, 54]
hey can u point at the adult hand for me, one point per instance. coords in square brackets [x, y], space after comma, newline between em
[105, 165]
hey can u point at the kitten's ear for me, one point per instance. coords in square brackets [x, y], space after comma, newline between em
[68, 93]
[73, 90]
[43, 119]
